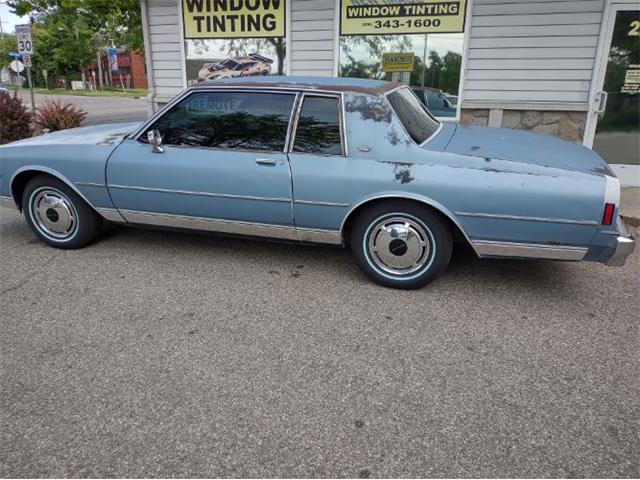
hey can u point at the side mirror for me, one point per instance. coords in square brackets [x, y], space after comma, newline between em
[155, 140]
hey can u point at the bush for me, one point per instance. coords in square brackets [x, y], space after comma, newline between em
[15, 119]
[54, 115]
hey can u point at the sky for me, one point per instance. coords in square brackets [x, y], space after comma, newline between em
[9, 20]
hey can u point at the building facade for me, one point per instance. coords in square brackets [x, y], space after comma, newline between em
[131, 73]
[549, 66]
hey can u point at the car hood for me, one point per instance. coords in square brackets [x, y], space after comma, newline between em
[526, 148]
[111, 134]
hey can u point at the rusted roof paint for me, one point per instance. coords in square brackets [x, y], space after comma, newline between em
[327, 84]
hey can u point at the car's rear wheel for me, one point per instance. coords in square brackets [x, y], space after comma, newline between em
[57, 214]
[401, 244]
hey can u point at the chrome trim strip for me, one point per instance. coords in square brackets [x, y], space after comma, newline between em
[525, 218]
[343, 126]
[489, 248]
[201, 194]
[8, 202]
[284, 232]
[324, 204]
[294, 107]
[90, 184]
[331, 237]
[110, 214]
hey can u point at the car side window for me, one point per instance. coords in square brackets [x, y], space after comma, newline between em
[231, 120]
[437, 101]
[318, 128]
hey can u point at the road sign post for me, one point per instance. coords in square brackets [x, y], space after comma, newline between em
[25, 48]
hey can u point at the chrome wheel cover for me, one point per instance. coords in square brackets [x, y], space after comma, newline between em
[398, 245]
[53, 213]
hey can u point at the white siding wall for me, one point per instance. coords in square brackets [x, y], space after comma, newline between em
[521, 54]
[166, 57]
[527, 54]
[313, 36]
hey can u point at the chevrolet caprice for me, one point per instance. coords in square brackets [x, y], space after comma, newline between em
[356, 163]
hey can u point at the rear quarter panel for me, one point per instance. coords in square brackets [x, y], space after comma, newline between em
[548, 205]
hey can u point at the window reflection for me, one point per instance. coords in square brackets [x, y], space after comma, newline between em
[436, 69]
[318, 128]
[253, 121]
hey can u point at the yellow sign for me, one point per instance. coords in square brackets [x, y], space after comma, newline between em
[398, 62]
[371, 17]
[233, 18]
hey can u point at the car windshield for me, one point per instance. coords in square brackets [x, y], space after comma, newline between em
[414, 116]
[230, 64]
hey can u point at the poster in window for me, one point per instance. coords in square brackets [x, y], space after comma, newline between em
[233, 38]
[384, 17]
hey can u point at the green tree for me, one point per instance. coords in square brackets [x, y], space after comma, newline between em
[7, 44]
[121, 19]
[65, 32]
[450, 75]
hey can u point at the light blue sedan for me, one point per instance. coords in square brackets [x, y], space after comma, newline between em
[334, 161]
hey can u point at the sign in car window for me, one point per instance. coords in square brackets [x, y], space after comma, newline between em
[233, 18]
[371, 17]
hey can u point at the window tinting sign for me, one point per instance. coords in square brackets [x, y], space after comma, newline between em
[371, 17]
[233, 18]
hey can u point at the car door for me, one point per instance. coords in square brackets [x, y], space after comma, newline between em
[223, 168]
[320, 170]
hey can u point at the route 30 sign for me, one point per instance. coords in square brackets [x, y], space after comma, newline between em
[25, 44]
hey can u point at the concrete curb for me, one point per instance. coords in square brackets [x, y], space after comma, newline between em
[630, 206]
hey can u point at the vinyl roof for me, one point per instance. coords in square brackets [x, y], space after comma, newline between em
[374, 87]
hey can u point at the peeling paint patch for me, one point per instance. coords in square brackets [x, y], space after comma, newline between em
[370, 108]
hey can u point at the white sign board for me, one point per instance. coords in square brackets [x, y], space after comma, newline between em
[26, 59]
[25, 44]
[16, 66]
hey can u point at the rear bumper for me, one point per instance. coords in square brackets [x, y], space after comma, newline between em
[624, 246]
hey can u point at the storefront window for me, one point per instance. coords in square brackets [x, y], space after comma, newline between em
[226, 39]
[419, 44]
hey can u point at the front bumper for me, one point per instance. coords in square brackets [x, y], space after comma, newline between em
[625, 244]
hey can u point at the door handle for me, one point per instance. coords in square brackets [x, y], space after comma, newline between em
[270, 162]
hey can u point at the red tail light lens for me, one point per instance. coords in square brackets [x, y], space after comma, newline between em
[607, 218]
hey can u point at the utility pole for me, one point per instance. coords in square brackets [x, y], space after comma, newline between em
[100, 68]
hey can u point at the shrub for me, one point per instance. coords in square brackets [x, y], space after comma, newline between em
[54, 115]
[15, 119]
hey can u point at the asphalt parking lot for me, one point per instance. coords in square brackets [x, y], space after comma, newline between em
[160, 354]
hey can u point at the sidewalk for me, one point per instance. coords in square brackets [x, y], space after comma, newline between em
[630, 206]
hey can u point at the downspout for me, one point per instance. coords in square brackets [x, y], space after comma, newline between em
[147, 56]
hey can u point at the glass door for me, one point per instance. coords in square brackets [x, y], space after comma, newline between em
[616, 113]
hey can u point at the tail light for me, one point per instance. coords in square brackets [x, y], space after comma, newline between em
[607, 218]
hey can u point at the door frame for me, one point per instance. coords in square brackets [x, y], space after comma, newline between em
[612, 7]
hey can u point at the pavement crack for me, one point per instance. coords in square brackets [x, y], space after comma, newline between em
[29, 276]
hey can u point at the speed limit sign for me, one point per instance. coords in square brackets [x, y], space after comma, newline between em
[25, 44]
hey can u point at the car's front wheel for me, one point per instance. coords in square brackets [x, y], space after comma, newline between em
[57, 214]
[401, 244]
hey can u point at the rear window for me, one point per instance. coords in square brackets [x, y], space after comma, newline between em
[413, 114]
